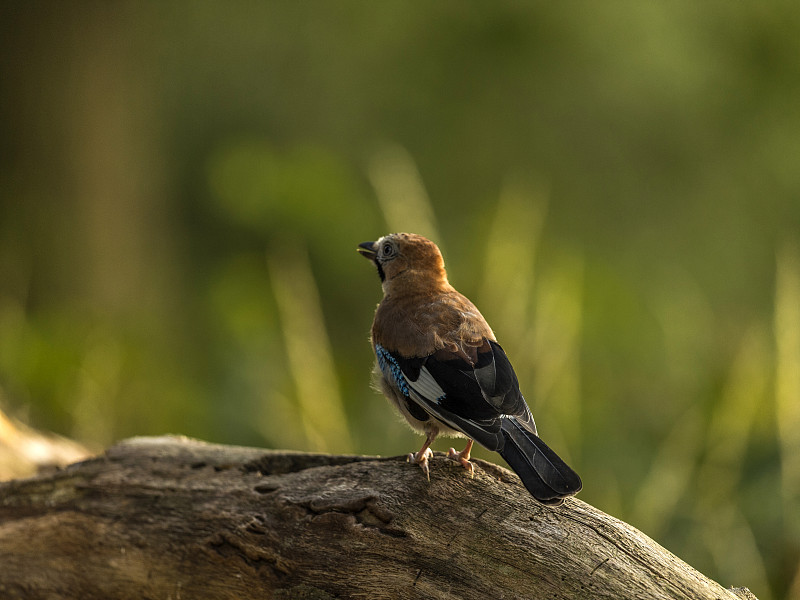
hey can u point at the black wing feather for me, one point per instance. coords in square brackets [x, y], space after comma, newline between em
[482, 391]
[472, 397]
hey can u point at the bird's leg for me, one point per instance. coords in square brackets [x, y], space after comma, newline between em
[463, 457]
[421, 457]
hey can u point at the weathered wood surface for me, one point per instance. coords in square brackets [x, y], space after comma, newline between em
[173, 518]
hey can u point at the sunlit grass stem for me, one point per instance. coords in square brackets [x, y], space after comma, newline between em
[308, 351]
[787, 379]
[401, 194]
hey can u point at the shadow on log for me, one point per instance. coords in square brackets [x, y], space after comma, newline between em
[177, 518]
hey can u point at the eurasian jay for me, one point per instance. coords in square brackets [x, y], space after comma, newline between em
[439, 363]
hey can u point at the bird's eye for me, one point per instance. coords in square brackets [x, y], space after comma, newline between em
[387, 250]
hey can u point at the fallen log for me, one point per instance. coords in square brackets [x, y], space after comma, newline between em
[177, 518]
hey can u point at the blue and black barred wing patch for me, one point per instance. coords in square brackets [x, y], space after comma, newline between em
[396, 371]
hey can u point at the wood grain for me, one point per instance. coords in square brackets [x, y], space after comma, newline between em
[177, 518]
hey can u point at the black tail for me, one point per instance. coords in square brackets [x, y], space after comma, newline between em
[548, 478]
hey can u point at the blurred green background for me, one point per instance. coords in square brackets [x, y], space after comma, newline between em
[616, 185]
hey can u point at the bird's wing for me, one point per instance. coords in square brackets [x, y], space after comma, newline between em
[469, 392]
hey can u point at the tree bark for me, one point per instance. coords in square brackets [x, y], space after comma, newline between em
[177, 518]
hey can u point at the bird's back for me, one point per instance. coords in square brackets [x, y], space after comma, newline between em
[419, 324]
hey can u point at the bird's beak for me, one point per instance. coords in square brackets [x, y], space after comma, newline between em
[367, 250]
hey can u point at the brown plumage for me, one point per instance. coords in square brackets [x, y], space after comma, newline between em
[438, 361]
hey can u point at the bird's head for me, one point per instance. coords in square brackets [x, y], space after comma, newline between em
[402, 255]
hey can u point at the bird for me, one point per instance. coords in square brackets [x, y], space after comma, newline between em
[438, 361]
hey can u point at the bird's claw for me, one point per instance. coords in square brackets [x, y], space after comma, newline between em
[421, 458]
[464, 460]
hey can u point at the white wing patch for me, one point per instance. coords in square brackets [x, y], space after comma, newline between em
[426, 386]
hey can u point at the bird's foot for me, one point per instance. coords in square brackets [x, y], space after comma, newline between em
[463, 458]
[421, 458]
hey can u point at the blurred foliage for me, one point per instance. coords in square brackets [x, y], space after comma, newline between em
[616, 185]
